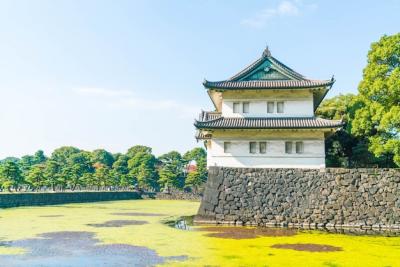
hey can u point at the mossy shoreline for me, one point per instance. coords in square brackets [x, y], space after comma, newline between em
[24, 227]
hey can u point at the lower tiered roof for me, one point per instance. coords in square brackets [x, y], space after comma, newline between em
[215, 120]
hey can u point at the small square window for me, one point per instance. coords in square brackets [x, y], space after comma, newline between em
[246, 107]
[280, 106]
[263, 147]
[253, 147]
[288, 147]
[270, 107]
[227, 147]
[236, 107]
[299, 147]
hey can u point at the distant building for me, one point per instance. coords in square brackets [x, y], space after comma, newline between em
[191, 167]
[265, 118]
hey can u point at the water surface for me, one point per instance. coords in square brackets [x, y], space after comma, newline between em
[137, 233]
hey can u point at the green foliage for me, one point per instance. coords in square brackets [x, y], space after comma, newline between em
[28, 161]
[199, 176]
[142, 167]
[10, 176]
[101, 176]
[343, 149]
[52, 173]
[71, 168]
[120, 172]
[63, 153]
[379, 92]
[171, 170]
[13, 159]
[102, 156]
[36, 176]
[77, 165]
[336, 108]
[138, 149]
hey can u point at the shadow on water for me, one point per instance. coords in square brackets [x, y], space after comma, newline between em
[242, 232]
[79, 249]
[308, 247]
[117, 223]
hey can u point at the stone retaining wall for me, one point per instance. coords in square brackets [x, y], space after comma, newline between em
[366, 198]
[8, 200]
[179, 195]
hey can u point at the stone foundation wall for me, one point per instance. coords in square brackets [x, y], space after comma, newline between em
[367, 198]
[8, 200]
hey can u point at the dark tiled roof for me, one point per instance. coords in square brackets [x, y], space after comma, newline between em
[259, 61]
[268, 84]
[292, 79]
[219, 122]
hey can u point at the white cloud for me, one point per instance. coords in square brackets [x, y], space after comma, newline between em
[123, 99]
[287, 8]
[284, 8]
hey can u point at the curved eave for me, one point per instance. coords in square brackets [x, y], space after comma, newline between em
[257, 123]
[269, 128]
[257, 85]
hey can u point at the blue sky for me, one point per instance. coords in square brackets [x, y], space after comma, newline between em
[112, 74]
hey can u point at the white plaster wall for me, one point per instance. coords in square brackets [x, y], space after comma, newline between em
[275, 157]
[258, 108]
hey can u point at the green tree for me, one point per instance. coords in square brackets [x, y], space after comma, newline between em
[142, 168]
[103, 156]
[10, 176]
[14, 159]
[36, 176]
[343, 149]
[337, 108]
[138, 149]
[39, 157]
[379, 92]
[196, 178]
[62, 154]
[52, 173]
[26, 163]
[101, 176]
[120, 172]
[75, 167]
[171, 170]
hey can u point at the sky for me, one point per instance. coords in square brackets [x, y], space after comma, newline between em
[113, 74]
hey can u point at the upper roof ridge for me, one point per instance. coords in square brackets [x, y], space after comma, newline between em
[266, 52]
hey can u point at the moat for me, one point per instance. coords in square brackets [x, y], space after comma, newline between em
[139, 233]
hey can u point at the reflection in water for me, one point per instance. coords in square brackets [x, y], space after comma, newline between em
[183, 225]
[117, 223]
[224, 231]
[79, 249]
[308, 247]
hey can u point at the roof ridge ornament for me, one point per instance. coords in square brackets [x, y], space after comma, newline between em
[266, 52]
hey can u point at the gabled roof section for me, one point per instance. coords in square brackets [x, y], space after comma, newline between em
[267, 65]
[213, 120]
[268, 73]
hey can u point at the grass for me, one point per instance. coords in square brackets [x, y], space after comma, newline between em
[200, 249]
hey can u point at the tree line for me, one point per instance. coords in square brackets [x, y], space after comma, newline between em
[371, 136]
[70, 168]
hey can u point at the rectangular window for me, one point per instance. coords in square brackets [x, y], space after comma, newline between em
[279, 106]
[227, 147]
[246, 107]
[270, 107]
[263, 147]
[299, 147]
[236, 107]
[253, 147]
[288, 147]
